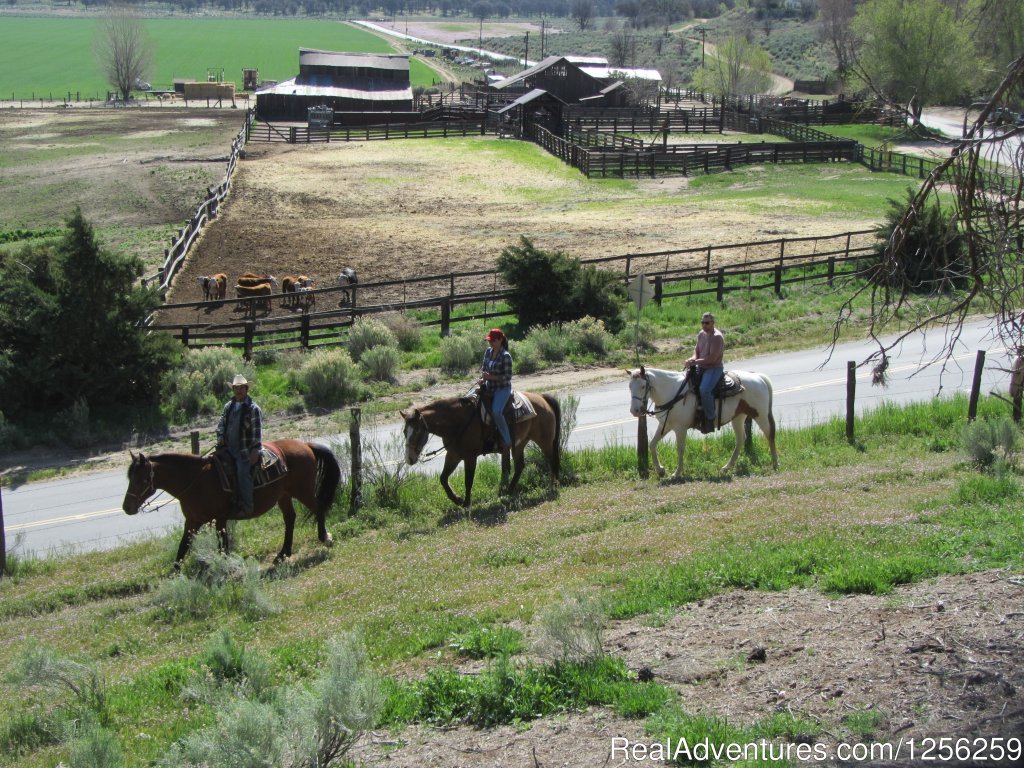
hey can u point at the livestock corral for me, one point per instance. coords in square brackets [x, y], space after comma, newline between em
[399, 210]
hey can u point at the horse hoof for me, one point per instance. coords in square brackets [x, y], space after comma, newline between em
[329, 541]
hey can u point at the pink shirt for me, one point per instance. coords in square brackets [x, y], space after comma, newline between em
[710, 349]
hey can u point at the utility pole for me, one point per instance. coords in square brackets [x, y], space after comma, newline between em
[542, 39]
[703, 31]
[526, 54]
[480, 40]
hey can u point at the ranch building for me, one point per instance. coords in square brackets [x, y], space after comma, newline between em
[345, 82]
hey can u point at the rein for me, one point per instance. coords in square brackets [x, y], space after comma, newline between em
[665, 407]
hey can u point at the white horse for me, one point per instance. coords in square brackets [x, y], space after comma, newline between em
[675, 408]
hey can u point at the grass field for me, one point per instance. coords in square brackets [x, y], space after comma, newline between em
[40, 57]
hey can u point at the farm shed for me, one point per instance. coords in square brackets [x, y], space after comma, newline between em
[557, 75]
[538, 107]
[346, 82]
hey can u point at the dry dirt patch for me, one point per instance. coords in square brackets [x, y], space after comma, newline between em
[937, 659]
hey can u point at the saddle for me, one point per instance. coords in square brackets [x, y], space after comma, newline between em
[270, 469]
[728, 386]
[518, 408]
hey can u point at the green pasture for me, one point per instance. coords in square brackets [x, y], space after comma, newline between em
[40, 57]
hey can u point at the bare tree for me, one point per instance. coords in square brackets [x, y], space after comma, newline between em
[836, 18]
[988, 214]
[622, 45]
[123, 49]
[582, 12]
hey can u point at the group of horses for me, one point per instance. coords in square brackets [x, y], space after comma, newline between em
[298, 291]
[313, 472]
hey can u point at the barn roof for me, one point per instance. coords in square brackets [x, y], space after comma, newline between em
[606, 72]
[538, 67]
[313, 58]
[325, 89]
[526, 98]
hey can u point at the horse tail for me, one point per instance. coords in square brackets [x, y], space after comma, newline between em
[771, 413]
[556, 447]
[328, 476]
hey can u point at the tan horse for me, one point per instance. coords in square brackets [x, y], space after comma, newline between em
[456, 420]
[312, 478]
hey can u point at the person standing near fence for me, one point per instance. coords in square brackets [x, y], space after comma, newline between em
[240, 433]
[496, 378]
[708, 358]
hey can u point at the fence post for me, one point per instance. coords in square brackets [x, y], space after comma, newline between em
[194, 435]
[643, 458]
[3, 538]
[250, 329]
[658, 289]
[778, 281]
[355, 498]
[851, 391]
[446, 318]
[304, 331]
[184, 336]
[831, 269]
[721, 284]
[979, 366]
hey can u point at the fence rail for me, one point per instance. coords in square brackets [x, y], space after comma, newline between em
[302, 134]
[464, 296]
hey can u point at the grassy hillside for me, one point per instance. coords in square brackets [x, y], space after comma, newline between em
[54, 55]
[415, 578]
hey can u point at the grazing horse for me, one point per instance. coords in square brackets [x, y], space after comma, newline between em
[312, 478]
[675, 407]
[456, 420]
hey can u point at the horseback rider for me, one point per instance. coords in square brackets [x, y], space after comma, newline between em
[240, 433]
[496, 379]
[707, 358]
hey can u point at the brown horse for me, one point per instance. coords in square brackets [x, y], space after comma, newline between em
[456, 420]
[312, 478]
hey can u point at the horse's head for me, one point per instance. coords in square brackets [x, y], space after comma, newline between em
[639, 390]
[416, 434]
[140, 483]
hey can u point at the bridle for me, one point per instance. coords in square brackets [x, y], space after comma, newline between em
[146, 492]
[421, 425]
[665, 407]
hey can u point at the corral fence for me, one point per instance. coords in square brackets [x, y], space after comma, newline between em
[181, 244]
[443, 301]
[304, 134]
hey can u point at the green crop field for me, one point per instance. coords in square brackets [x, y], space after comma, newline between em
[44, 56]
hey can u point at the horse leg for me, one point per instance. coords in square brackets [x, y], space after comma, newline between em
[767, 425]
[680, 450]
[517, 458]
[184, 545]
[223, 535]
[653, 450]
[741, 436]
[450, 463]
[470, 467]
[288, 512]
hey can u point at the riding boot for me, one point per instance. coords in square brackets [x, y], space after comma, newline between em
[708, 426]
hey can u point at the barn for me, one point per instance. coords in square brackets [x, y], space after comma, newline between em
[346, 82]
[557, 75]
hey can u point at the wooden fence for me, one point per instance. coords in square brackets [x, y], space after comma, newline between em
[445, 300]
[301, 134]
[181, 244]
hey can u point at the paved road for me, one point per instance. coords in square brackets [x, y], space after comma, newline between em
[951, 123]
[84, 513]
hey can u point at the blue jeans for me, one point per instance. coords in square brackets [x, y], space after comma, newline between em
[709, 379]
[243, 470]
[501, 397]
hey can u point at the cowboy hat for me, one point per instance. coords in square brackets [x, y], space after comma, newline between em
[495, 333]
[239, 381]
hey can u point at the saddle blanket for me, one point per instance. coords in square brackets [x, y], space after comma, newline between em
[518, 409]
[728, 386]
[270, 469]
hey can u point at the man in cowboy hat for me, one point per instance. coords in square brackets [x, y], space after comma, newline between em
[240, 432]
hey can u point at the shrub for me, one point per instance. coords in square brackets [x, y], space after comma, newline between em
[367, 333]
[550, 287]
[485, 642]
[406, 330]
[526, 359]
[381, 363]
[459, 353]
[572, 631]
[329, 379]
[550, 342]
[76, 423]
[930, 258]
[989, 442]
[203, 382]
[11, 437]
[228, 660]
[384, 476]
[96, 747]
[588, 336]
